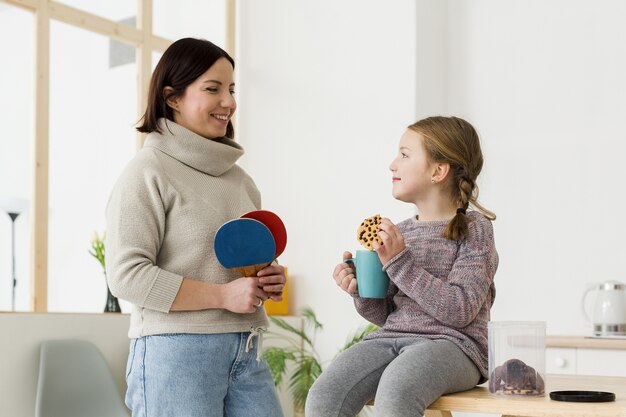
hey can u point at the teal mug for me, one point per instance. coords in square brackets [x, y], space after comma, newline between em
[371, 280]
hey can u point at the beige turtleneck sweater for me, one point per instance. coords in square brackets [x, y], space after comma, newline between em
[162, 217]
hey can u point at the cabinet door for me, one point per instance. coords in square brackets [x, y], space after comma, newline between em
[608, 362]
[561, 361]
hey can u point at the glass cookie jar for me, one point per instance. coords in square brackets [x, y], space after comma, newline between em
[517, 357]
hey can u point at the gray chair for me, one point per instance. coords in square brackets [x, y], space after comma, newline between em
[75, 381]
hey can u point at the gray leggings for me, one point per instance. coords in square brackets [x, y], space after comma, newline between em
[404, 374]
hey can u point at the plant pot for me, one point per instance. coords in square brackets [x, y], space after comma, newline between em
[112, 305]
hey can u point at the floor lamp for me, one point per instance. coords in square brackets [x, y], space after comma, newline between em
[13, 207]
[13, 216]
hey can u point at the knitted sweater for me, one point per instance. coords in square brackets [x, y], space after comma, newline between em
[440, 288]
[162, 217]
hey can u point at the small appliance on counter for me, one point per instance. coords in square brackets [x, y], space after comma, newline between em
[608, 309]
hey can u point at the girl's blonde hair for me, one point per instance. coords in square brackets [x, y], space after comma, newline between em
[454, 141]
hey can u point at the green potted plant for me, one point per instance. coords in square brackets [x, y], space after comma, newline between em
[301, 353]
[98, 251]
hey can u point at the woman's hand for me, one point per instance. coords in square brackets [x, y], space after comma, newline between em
[345, 275]
[393, 241]
[272, 281]
[243, 295]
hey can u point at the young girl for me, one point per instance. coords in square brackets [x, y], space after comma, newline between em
[194, 326]
[441, 263]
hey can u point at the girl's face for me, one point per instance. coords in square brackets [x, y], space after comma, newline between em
[412, 171]
[208, 103]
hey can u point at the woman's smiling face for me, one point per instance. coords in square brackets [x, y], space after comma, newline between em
[208, 103]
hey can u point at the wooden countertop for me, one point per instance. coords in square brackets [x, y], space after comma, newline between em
[585, 342]
[480, 400]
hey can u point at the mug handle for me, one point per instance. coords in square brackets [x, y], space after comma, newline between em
[351, 261]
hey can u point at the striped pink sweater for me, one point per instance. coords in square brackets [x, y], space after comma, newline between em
[439, 289]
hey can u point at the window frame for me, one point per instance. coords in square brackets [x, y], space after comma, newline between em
[145, 42]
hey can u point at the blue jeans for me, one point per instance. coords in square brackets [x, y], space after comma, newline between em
[199, 375]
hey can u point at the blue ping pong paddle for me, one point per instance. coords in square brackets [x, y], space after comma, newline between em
[245, 245]
[275, 224]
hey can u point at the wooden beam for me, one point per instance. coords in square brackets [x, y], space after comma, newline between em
[24, 4]
[94, 23]
[231, 28]
[231, 41]
[159, 44]
[144, 61]
[39, 204]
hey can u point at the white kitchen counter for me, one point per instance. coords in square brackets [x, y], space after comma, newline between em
[585, 342]
[580, 355]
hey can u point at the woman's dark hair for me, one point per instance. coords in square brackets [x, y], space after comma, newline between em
[181, 64]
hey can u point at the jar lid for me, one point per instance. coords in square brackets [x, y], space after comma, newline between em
[582, 396]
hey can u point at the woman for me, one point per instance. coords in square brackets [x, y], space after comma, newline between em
[195, 327]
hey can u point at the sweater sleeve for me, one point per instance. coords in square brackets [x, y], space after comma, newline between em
[135, 217]
[376, 310]
[456, 299]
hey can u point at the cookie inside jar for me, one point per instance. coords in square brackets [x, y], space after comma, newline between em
[517, 358]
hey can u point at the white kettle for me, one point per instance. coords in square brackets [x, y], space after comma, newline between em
[608, 316]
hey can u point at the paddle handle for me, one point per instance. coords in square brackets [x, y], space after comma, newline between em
[250, 270]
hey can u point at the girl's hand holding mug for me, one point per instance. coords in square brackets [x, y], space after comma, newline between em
[345, 276]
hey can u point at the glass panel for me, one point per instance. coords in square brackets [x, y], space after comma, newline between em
[92, 137]
[190, 18]
[16, 154]
[155, 59]
[116, 10]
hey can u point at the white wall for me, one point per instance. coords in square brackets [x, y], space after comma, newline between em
[324, 95]
[544, 83]
[325, 92]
